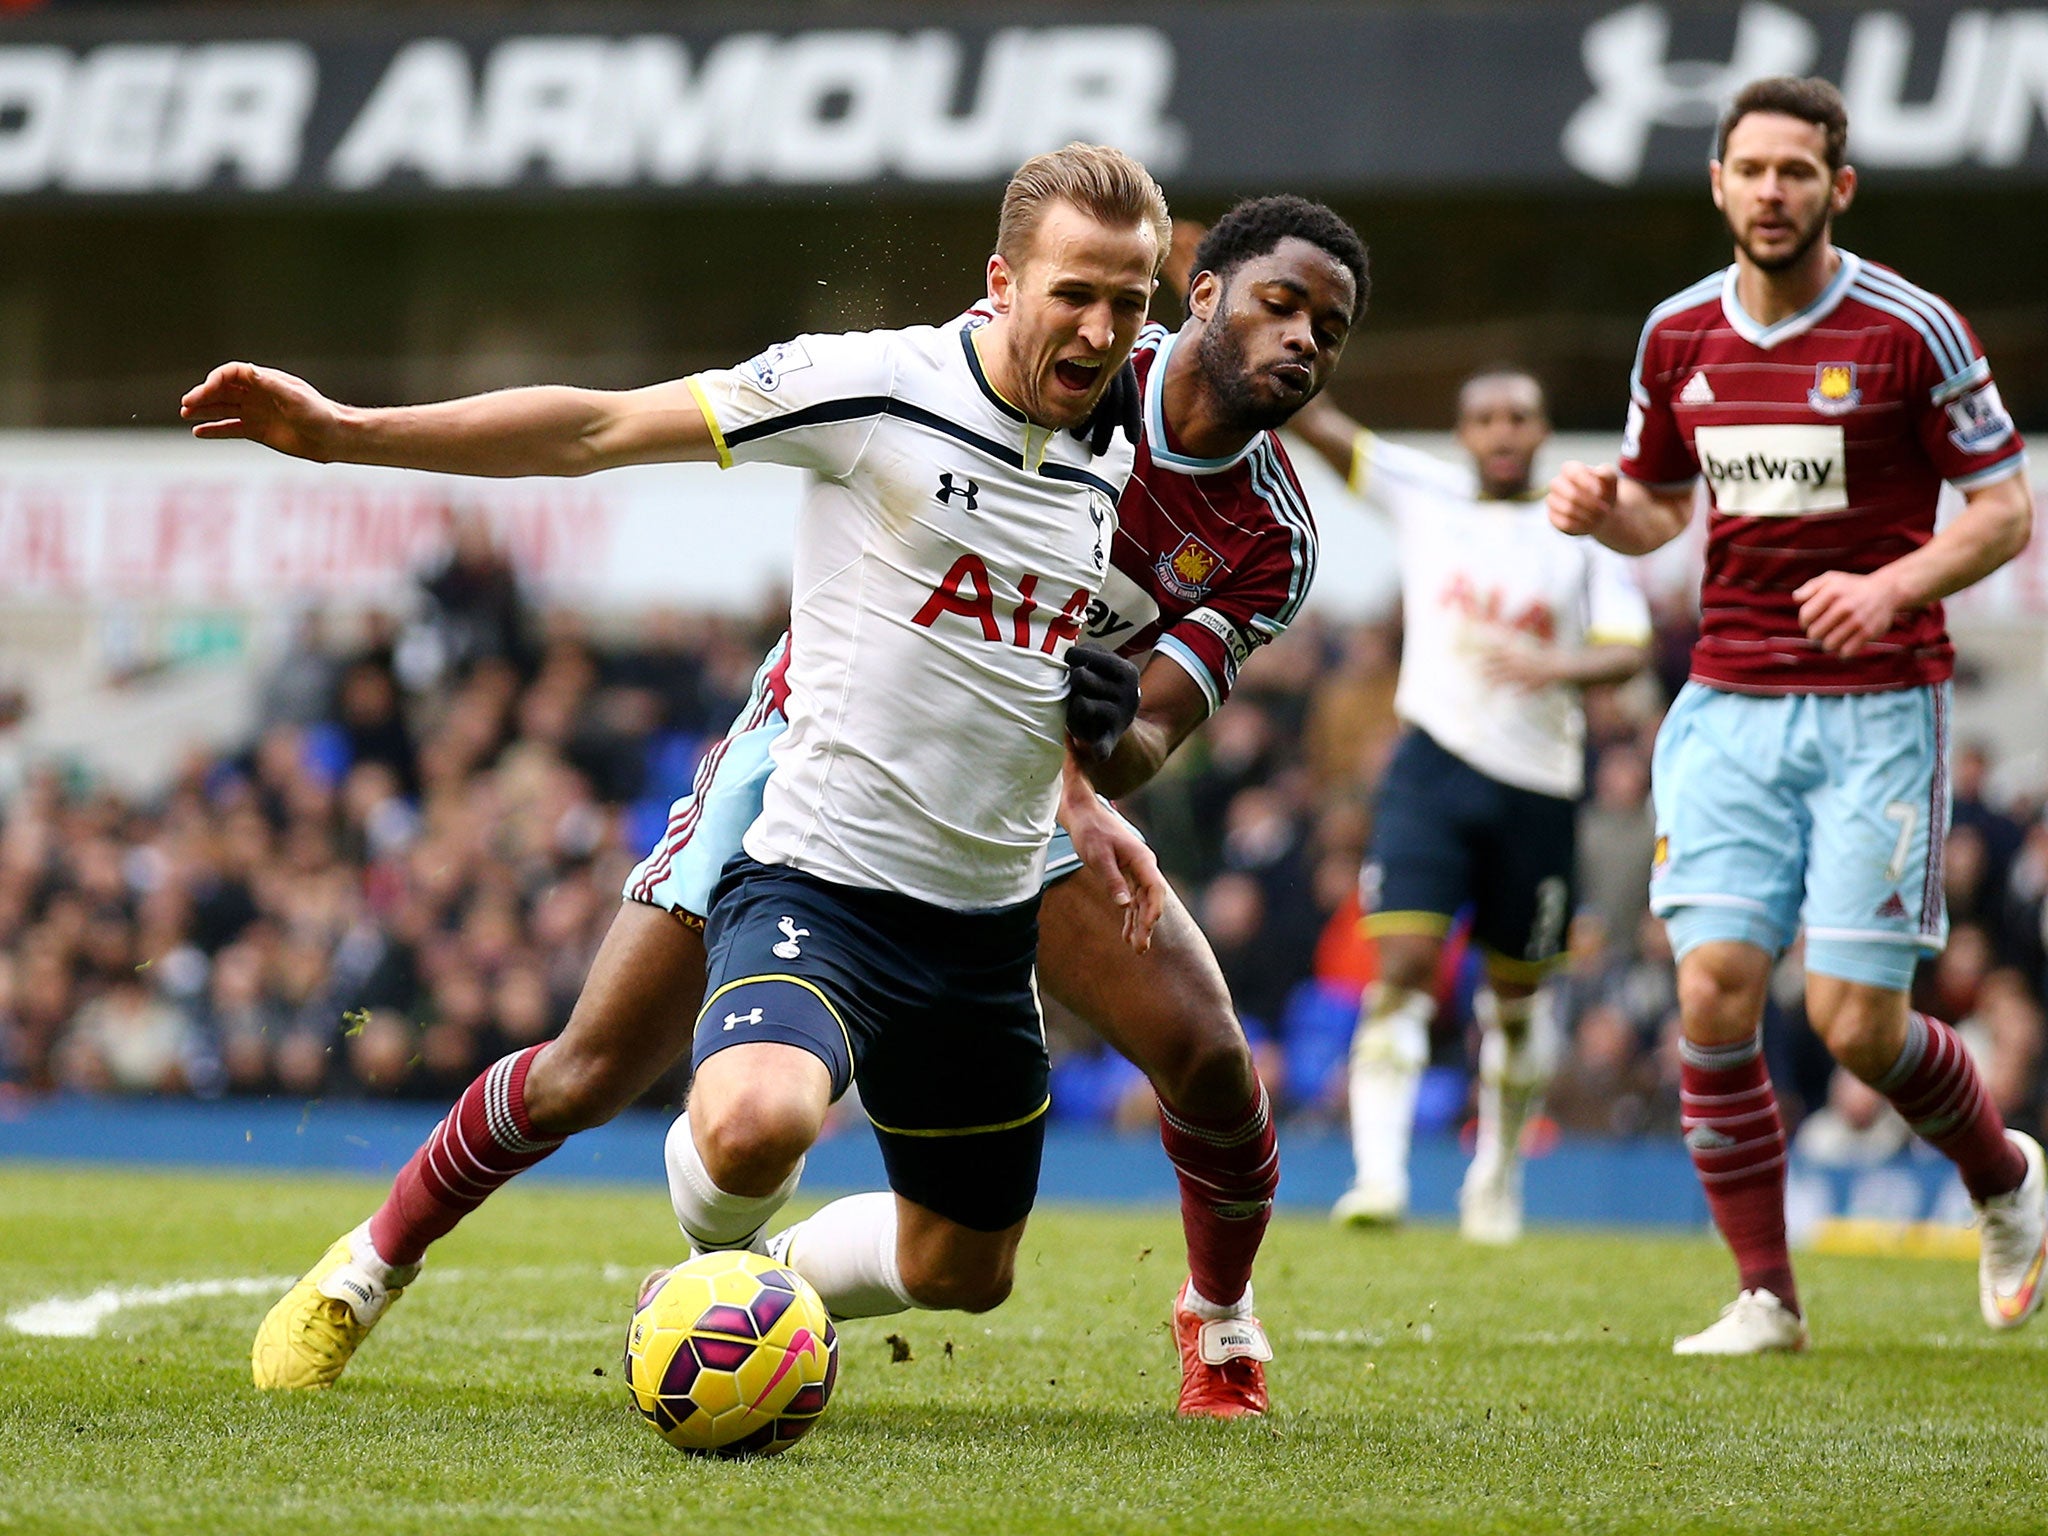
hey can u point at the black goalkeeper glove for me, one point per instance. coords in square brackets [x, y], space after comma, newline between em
[1102, 699]
[1122, 405]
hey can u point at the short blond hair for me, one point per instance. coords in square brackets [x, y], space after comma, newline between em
[1102, 182]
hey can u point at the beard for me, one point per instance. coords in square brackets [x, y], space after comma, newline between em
[1807, 237]
[1228, 373]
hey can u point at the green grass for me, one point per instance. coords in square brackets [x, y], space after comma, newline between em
[1421, 1386]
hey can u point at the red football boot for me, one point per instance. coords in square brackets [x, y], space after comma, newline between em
[1222, 1363]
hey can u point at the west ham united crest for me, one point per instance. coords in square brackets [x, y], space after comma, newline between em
[1835, 391]
[1187, 572]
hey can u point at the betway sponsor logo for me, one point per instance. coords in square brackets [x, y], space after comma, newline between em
[1989, 72]
[1774, 471]
[817, 107]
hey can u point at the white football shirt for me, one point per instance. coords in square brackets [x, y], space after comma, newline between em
[946, 555]
[1476, 574]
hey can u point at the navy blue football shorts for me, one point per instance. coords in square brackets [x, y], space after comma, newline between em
[934, 1013]
[1446, 836]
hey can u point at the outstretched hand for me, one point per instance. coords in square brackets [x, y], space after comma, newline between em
[265, 406]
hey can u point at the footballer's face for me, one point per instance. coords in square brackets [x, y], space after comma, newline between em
[1068, 313]
[1273, 331]
[1774, 187]
[1502, 424]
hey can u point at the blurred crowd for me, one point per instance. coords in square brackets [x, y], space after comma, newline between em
[407, 871]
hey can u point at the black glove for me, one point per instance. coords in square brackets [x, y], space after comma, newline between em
[1122, 405]
[1102, 699]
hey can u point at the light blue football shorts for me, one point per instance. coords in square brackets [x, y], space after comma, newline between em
[1817, 809]
[706, 826]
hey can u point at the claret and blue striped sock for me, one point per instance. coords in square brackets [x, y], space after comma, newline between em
[1732, 1128]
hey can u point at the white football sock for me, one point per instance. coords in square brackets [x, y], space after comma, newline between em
[1388, 1053]
[1215, 1312]
[848, 1253]
[371, 1262]
[713, 1218]
[1517, 1055]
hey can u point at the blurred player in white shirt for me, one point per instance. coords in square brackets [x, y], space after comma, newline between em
[1506, 623]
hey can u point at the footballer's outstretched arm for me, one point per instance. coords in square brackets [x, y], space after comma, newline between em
[546, 430]
[1331, 433]
[1172, 707]
[1843, 613]
[1627, 516]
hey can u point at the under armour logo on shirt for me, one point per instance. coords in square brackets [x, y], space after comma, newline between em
[734, 1020]
[789, 949]
[966, 489]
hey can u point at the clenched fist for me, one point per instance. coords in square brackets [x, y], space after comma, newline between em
[1582, 497]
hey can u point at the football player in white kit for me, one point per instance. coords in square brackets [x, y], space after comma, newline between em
[1505, 622]
[881, 924]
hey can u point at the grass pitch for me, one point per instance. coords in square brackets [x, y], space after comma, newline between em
[1421, 1386]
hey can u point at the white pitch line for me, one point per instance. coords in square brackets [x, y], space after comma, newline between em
[79, 1317]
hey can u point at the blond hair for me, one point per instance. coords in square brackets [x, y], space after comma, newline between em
[1102, 182]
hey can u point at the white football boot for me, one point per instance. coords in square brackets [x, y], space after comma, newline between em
[2013, 1243]
[1490, 1201]
[1754, 1323]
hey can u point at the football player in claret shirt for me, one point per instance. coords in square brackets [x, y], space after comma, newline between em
[1801, 776]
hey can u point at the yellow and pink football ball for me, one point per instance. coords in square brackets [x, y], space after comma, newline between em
[731, 1354]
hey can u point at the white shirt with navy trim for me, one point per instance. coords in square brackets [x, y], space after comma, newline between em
[1476, 574]
[946, 554]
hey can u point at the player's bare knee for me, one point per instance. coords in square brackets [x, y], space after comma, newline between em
[1862, 1027]
[1721, 992]
[1409, 961]
[751, 1137]
[961, 1286]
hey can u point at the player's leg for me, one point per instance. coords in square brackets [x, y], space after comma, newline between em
[1169, 1012]
[954, 1077]
[1522, 898]
[1389, 1052]
[1874, 906]
[1417, 874]
[1731, 851]
[1517, 1056]
[631, 1023]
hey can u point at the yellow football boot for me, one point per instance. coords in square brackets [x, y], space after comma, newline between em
[308, 1338]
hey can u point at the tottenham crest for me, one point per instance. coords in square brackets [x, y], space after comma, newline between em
[1189, 569]
[1835, 391]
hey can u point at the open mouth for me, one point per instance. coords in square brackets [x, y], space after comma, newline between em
[1293, 377]
[1076, 375]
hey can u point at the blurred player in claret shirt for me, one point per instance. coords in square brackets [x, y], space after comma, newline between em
[1506, 622]
[1801, 776]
